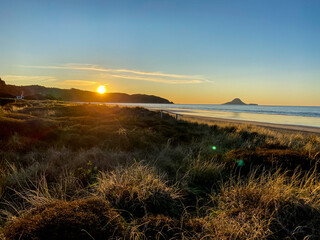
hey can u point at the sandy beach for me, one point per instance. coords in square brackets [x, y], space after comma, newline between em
[272, 126]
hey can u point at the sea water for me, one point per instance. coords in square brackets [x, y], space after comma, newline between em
[290, 115]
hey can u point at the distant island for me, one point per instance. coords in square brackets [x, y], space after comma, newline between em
[36, 92]
[237, 101]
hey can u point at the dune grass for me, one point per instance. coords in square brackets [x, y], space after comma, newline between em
[110, 172]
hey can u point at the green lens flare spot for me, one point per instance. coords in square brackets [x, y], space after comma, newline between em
[240, 163]
[214, 147]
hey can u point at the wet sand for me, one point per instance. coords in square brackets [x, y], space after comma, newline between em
[272, 126]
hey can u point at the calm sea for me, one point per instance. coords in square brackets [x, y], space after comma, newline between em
[292, 115]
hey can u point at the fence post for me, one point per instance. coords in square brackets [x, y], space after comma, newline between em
[161, 114]
[176, 116]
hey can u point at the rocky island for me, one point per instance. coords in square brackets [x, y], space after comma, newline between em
[237, 101]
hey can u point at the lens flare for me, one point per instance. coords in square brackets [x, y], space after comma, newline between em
[241, 163]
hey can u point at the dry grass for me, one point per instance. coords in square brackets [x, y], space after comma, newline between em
[273, 206]
[124, 172]
[89, 218]
[138, 191]
[273, 158]
[162, 227]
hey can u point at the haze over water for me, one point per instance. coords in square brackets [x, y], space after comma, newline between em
[290, 115]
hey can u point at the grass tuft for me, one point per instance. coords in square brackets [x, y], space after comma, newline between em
[138, 190]
[90, 218]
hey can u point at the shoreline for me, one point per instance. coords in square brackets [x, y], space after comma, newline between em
[183, 115]
[272, 126]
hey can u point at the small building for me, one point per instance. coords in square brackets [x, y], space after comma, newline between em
[21, 96]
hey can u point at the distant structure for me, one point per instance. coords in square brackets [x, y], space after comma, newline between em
[21, 96]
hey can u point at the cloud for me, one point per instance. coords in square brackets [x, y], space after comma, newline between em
[131, 74]
[29, 79]
[77, 83]
[169, 81]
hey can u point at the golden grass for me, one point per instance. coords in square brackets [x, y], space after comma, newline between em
[273, 206]
[160, 179]
[138, 190]
[90, 218]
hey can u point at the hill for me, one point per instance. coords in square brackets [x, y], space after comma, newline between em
[237, 101]
[36, 92]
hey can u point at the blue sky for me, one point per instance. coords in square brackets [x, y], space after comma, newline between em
[266, 52]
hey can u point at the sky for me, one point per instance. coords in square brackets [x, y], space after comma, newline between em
[204, 52]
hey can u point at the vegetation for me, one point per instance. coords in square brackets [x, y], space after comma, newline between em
[88, 171]
[36, 92]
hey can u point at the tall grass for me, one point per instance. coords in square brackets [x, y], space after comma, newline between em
[272, 206]
[160, 179]
[139, 190]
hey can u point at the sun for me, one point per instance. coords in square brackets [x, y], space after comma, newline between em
[101, 89]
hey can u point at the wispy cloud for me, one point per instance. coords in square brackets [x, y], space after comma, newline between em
[77, 83]
[131, 74]
[29, 79]
[170, 81]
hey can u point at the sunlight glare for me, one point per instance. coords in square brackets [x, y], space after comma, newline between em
[101, 89]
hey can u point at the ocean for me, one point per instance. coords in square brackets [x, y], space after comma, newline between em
[290, 115]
